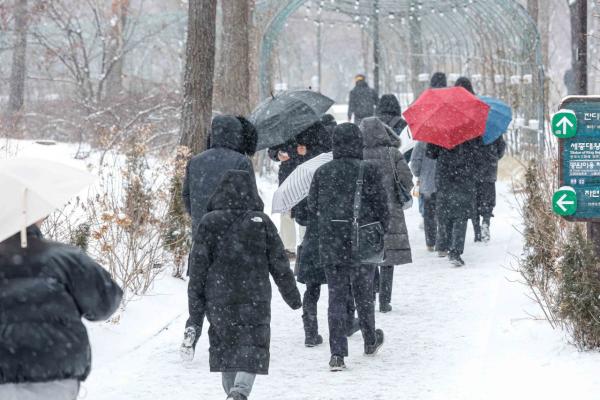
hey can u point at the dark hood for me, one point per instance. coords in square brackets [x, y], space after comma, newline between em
[236, 191]
[389, 105]
[227, 131]
[439, 80]
[375, 133]
[347, 141]
[362, 83]
[465, 83]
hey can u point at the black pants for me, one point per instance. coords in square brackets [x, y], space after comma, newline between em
[309, 309]
[386, 281]
[486, 199]
[430, 220]
[358, 279]
[451, 236]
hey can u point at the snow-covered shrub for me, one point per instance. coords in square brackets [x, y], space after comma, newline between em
[558, 263]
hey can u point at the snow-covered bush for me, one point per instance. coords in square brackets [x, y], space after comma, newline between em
[558, 262]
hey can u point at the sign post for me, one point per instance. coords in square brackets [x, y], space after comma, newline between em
[577, 126]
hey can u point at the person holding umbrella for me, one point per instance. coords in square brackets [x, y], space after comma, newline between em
[332, 199]
[453, 140]
[46, 287]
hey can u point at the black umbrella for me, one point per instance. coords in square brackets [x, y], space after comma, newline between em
[282, 117]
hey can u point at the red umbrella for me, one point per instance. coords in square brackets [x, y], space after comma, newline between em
[447, 117]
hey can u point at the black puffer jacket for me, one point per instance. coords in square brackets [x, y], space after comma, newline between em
[331, 196]
[362, 101]
[205, 170]
[230, 264]
[45, 290]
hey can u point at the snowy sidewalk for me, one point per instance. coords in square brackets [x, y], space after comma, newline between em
[453, 334]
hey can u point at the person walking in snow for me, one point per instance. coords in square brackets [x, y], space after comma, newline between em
[45, 291]
[390, 113]
[232, 141]
[486, 176]
[331, 198]
[424, 169]
[455, 191]
[378, 148]
[362, 101]
[238, 248]
[308, 144]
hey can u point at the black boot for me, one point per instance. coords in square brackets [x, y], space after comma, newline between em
[311, 331]
[336, 364]
[313, 341]
[372, 349]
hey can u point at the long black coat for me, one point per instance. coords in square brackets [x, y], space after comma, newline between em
[205, 170]
[331, 196]
[230, 264]
[487, 170]
[362, 101]
[380, 150]
[45, 290]
[455, 178]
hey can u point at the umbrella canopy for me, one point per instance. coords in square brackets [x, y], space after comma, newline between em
[447, 117]
[296, 187]
[32, 189]
[280, 118]
[498, 121]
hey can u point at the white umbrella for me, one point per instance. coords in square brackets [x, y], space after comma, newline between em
[32, 189]
[297, 185]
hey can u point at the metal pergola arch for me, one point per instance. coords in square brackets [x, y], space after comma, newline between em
[474, 37]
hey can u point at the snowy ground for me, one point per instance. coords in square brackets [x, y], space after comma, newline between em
[453, 334]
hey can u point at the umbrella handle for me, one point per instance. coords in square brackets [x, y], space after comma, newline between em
[24, 227]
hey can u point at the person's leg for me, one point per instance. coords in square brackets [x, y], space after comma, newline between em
[476, 228]
[338, 284]
[362, 288]
[309, 310]
[459, 232]
[288, 232]
[443, 234]
[386, 278]
[227, 379]
[488, 203]
[351, 321]
[430, 222]
[244, 381]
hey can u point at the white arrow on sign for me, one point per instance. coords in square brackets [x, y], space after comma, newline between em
[564, 122]
[562, 202]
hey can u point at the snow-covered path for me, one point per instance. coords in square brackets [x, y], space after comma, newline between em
[453, 334]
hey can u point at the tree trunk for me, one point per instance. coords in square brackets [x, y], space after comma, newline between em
[533, 9]
[232, 80]
[115, 58]
[16, 98]
[578, 9]
[198, 77]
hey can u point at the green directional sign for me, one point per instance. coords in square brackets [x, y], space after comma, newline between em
[564, 124]
[564, 201]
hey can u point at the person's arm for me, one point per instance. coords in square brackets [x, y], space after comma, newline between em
[96, 294]
[377, 195]
[279, 267]
[416, 159]
[185, 192]
[199, 263]
[313, 194]
[404, 173]
[501, 147]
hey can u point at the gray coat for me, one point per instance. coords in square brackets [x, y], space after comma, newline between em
[379, 149]
[423, 168]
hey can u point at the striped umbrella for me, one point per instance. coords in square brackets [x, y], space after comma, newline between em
[296, 187]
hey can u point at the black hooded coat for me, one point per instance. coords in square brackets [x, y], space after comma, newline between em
[205, 170]
[331, 196]
[45, 290]
[363, 101]
[390, 113]
[238, 249]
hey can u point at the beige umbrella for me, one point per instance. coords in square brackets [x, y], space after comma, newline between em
[32, 189]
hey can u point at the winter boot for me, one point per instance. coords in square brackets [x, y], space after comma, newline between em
[385, 307]
[430, 249]
[456, 260]
[352, 327]
[313, 341]
[186, 352]
[485, 230]
[442, 254]
[236, 396]
[372, 349]
[336, 363]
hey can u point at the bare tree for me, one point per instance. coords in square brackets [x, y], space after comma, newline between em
[198, 77]
[114, 82]
[232, 79]
[18, 72]
[534, 9]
